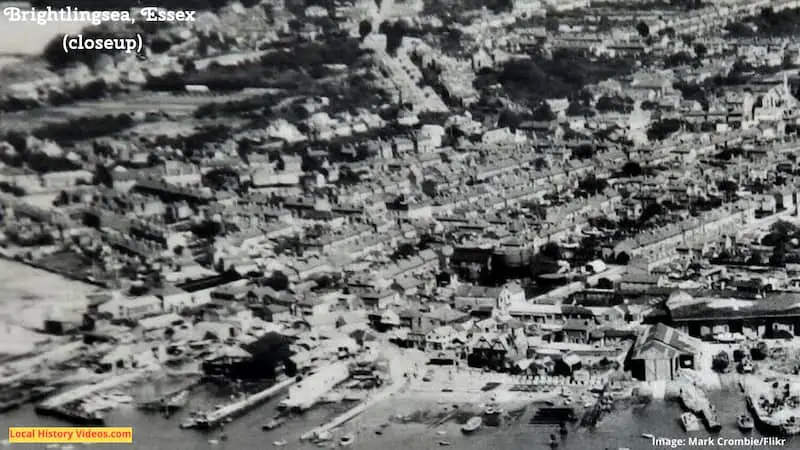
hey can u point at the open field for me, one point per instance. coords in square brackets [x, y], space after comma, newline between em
[172, 104]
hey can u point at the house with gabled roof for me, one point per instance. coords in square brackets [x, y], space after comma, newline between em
[661, 351]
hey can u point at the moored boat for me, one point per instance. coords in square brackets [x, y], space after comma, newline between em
[692, 398]
[790, 426]
[177, 401]
[346, 440]
[746, 366]
[273, 423]
[711, 418]
[472, 425]
[690, 422]
[745, 423]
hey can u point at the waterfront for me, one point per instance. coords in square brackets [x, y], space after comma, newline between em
[620, 429]
[30, 300]
[28, 296]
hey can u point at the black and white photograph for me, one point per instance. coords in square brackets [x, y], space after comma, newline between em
[400, 224]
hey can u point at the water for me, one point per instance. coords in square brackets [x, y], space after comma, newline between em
[620, 429]
[19, 293]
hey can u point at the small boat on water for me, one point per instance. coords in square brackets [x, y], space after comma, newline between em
[472, 425]
[790, 426]
[168, 404]
[745, 423]
[690, 422]
[444, 443]
[323, 436]
[280, 443]
[346, 440]
[273, 424]
[647, 436]
[692, 398]
[711, 419]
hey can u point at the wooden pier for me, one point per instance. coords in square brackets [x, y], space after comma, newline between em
[86, 390]
[216, 417]
[350, 414]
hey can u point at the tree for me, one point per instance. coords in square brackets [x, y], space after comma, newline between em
[650, 211]
[614, 103]
[648, 105]
[643, 29]
[551, 250]
[778, 256]
[700, 50]
[669, 32]
[728, 188]
[593, 185]
[631, 169]
[509, 118]
[102, 176]
[394, 37]
[721, 362]
[583, 151]
[62, 199]
[543, 113]
[278, 281]
[364, 28]
[759, 352]
[662, 129]
[540, 163]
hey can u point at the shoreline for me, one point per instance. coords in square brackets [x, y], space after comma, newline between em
[51, 270]
[29, 295]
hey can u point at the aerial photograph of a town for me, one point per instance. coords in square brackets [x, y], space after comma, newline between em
[400, 224]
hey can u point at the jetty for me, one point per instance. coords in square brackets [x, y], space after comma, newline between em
[350, 414]
[68, 405]
[213, 418]
[81, 392]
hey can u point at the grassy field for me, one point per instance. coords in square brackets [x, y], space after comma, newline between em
[174, 105]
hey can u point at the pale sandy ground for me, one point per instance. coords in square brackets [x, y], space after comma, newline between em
[27, 297]
[425, 401]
